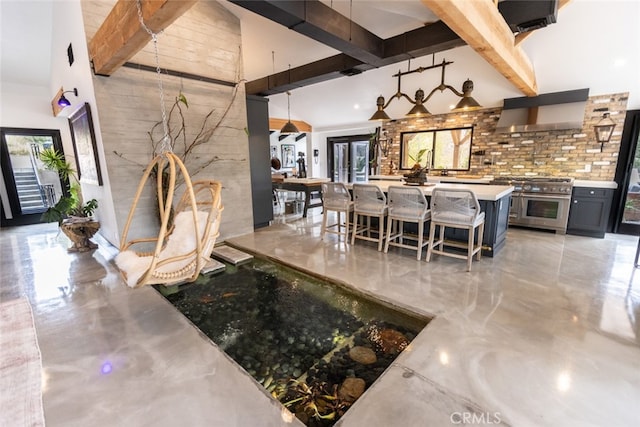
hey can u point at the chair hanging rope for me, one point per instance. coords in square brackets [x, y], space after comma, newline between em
[166, 145]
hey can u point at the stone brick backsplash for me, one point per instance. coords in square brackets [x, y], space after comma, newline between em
[574, 153]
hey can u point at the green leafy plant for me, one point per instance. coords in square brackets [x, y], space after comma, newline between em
[71, 204]
[418, 158]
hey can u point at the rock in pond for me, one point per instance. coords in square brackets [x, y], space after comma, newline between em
[392, 341]
[363, 355]
[351, 389]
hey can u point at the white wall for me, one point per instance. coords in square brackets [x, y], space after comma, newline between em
[79, 76]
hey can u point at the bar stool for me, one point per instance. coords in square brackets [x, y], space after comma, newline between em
[406, 204]
[368, 201]
[336, 197]
[455, 209]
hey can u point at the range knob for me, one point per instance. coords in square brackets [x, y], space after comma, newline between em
[526, 187]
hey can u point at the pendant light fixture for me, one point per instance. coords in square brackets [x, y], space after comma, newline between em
[289, 128]
[467, 103]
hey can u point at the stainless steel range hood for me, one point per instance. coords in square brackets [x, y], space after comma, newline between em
[550, 111]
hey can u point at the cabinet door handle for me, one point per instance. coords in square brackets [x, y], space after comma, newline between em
[592, 192]
[575, 201]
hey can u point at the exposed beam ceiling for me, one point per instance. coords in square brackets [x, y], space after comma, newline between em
[483, 28]
[318, 21]
[426, 40]
[121, 36]
[477, 23]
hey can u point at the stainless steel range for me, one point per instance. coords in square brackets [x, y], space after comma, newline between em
[539, 202]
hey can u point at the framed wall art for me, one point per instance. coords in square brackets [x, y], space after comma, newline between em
[288, 155]
[84, 145]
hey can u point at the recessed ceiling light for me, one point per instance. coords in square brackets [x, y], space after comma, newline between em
[356, 106]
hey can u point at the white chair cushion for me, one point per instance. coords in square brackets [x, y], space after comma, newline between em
[181, 241]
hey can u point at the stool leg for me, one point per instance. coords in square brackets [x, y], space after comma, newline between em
[470, 243]
[324, 223]
[432, 235]
[420, 237]
[380, 232]
[355, 228]
[389, 227]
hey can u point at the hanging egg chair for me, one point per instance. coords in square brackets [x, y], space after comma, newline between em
[187, 233]
[183, 248]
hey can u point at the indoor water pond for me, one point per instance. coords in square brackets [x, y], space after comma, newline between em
[312, 345]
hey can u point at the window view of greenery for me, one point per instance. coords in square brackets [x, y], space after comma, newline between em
[450, 148]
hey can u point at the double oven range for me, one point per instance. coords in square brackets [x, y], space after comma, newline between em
[539, 202]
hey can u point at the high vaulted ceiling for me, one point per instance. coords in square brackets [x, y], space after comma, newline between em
[270, 48]
[446, 24]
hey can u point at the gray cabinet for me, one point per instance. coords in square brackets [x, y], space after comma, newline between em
[589, 212]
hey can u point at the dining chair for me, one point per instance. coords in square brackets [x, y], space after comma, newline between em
[406, 204]
[336, 198]
[369, 202]
[455, 209]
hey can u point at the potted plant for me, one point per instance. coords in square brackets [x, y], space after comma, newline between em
[418, 174]
[74, 217]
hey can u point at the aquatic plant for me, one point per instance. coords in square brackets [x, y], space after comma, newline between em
[320, 400]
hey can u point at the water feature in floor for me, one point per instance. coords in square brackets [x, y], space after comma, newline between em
[314, 346]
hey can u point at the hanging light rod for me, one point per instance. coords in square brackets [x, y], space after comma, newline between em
[467, 102]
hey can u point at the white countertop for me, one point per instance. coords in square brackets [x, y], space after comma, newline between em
[595, 184]
[437, 178]
[482, 191]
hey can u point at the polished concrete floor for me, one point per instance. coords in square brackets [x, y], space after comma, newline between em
[544, 334]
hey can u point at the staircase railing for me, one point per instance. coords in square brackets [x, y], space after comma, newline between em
[47, 191]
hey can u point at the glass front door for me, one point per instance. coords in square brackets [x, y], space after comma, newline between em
[360, 161]
[349, 158]
[341, 162]
[29, 188]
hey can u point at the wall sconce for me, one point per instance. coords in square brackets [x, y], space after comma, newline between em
[63, 101]
[289, 128]
[604, 130]
[467, 103]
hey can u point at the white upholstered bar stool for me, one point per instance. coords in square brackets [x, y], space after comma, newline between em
[406, 204]
[368, 202]
[455, 209]
[336, 197]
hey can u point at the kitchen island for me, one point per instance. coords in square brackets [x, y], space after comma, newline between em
[494, 201]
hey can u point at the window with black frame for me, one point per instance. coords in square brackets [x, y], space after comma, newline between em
[450, 149]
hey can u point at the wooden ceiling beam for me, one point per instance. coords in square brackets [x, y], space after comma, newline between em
[276, 124]
[121, 35]
[422, 41]
[320, 22]
[481, 26]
